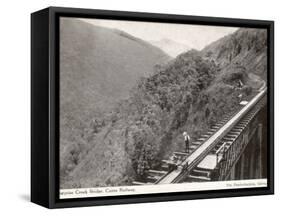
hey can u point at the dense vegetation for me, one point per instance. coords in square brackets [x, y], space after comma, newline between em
[246, 48]
[98, 67]
[188, 93]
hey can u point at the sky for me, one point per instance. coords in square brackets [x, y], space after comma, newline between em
[194, 36]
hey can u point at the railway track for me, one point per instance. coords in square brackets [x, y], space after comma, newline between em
[203, 171]
[208, 150]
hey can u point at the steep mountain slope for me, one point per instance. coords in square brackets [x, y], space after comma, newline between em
[98, 67]
[104, 61]
[142, 127]
[245, 48]
[171, 47]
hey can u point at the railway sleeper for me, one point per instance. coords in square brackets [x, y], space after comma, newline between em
[233, 133]
[201, 139]
[196, 143]
[228, 139]
[215, 127]
[193, 178]
[236, 130]
[156, 172]
[199, 172]
[180, 153]
[138, 183]
[151, 178]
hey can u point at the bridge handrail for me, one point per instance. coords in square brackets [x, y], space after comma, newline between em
[212, 141]
[221, 150]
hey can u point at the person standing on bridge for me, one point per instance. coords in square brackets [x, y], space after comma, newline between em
[186, 141]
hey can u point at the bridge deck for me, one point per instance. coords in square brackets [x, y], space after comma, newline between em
[209, 162]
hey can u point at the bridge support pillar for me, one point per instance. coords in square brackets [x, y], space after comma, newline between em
[255, 156]
[232, 173]
[258, 173]
[252, 165]
[249, 166]
[242, 166]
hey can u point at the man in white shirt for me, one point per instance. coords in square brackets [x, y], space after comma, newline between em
[186, 140]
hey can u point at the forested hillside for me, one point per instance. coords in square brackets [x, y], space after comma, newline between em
[98, 67]
[189, 93]
[244, 48]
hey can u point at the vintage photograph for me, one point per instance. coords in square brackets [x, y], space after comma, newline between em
[147, 104]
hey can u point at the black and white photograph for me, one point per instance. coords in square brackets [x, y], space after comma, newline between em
[151, 107]
[140, 108]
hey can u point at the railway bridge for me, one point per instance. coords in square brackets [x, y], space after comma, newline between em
[230, 150]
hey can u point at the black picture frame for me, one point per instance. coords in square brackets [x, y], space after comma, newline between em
[45, 106]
